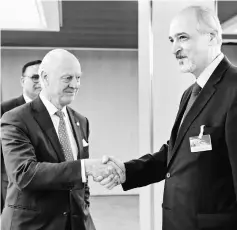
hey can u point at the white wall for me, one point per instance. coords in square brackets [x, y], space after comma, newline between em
[108, 98]
[168, 82]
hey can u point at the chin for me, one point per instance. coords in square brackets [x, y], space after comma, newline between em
[67, 100]
[187, 68]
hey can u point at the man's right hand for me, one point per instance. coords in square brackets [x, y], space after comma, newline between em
[111, 182]
[100, 171]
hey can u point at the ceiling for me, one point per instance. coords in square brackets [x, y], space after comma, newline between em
[94, 24]
[97, 24]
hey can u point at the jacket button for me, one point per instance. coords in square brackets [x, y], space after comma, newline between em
[168, 175]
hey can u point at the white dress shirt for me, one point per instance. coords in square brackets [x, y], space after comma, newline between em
[55, 119]
[26, 98]
[207, 72]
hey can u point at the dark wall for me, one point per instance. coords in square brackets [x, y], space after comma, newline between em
[231, 52]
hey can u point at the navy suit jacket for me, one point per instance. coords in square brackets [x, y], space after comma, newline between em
[44, 191]
[200, 187]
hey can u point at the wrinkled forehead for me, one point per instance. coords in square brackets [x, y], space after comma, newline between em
[185, 22]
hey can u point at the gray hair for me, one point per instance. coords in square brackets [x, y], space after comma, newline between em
[208, 22]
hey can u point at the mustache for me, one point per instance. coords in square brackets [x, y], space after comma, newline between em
[37, 87]
[70, 90]
[179, 55]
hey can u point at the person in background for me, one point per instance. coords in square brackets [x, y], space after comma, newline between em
[30, 90]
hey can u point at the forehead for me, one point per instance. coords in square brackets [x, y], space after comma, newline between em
[68, 66]
[33, 69]
[185, 22]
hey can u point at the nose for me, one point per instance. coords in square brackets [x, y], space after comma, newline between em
[175, 47]
[38, 84]
[75, 83]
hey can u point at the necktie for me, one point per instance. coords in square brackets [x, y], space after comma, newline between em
[63, 137]
[195, 91]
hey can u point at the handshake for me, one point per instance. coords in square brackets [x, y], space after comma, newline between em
[109, 171]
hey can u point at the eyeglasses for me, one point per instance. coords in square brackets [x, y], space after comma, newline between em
[34, 78]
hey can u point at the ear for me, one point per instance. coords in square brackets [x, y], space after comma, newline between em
[22, 79]
[44, 77]
[213, 40]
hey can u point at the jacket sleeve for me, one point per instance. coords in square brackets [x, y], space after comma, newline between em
[149, 168]
[146, 170]
[22, 166]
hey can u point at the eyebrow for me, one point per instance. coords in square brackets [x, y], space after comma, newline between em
[68, 74]
[178, 34]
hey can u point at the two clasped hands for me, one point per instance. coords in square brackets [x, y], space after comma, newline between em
[109, 171]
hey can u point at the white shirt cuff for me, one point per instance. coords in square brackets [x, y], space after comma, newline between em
[83, 172]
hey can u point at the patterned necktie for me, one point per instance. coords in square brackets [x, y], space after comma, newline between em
[195, 91]
[63, 137]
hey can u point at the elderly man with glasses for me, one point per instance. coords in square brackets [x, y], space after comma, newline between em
[31, 88]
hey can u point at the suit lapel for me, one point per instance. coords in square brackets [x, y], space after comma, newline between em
[76, 131]
[205, 95]
[42, 117]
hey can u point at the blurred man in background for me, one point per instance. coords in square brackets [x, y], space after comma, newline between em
[30, 90]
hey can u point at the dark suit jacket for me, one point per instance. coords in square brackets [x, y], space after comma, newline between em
[44, 191]
[6, 106]
[200, 187]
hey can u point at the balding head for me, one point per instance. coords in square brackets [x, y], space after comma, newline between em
[60, 73]
[56, 58]
[195, 34]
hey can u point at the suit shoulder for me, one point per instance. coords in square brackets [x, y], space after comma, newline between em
[17, 112]
[78, 115]
[232, 70]
[12, 103]
[231, 76]
[8, 105]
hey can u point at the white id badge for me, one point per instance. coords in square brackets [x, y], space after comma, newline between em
[200, 144]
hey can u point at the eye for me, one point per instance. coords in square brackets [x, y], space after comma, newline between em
[35, 77]
[171, 40]
[67, 78]
[183, 38]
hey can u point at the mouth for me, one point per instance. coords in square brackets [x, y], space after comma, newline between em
[70, 92]
[180, 57]
[38, 88]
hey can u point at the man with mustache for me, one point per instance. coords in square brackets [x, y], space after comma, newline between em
[31, 88]
[45, 147]
[199, 162]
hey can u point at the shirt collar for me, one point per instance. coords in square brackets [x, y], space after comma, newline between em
[51, 107]
[26, 98]
[205, 75]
